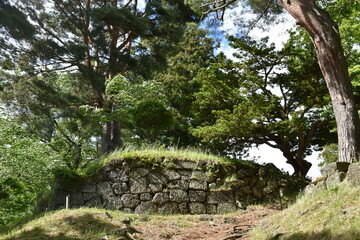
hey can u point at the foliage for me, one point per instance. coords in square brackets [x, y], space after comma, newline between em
[25, 170]
[329, 154]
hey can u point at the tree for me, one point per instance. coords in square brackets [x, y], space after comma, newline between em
[326, 39]
[270, 97]
[90, 42]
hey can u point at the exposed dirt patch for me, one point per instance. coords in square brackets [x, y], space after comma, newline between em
[209, 227]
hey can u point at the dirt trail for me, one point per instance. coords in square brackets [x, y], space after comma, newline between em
[209, 227]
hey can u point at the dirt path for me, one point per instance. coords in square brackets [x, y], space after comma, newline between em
[196, 227]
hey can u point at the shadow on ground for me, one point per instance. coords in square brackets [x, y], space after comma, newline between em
[81, 227]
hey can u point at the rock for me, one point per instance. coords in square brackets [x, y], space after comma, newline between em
[88, 196]
[270, 188]
[76, 199]
[257, 191]
[112, 203]
[315, 187]
[138, 185]
[161, 198]
[157, 178]
[89, 187]
[138, 173]
[94, 202]
[183, 164]
[130, 200]
[178, 195]
[172, 175]
[198, 175]
[211, 208]
[220, 197]
[226, 208]
[353, 174]
[146, 197]
[145, 207]
[206, 217]
[197, 196]
[169, 208]
[332, 168]
[198, 185]
[118, 175]
[182, 184]
[154, 188]
[185, 173]
[197, 208]
[120, 188]
[183, 208]
[105, 189]
[334, 179]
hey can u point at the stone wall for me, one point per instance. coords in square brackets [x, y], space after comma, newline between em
[334, 174]
[175, 186]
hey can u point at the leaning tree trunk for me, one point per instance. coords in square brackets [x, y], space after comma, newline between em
[326, 39]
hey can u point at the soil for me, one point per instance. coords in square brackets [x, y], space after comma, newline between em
[209, 227]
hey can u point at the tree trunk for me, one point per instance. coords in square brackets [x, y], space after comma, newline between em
[300, 165]
[326, 39]
[111, 139]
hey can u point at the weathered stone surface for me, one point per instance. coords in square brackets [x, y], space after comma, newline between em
[261, 182]
[157, 178]
[105, 189]
[226, 208]
[186, 173]
[198, 185]
[353, 174]
[130, 200]
[108, 168]
[118, 175]
[76, 199]
[146, 197]
[112, 203]
[138, 185]
[331, 168]
[138, 172]
[197, 196]
[88, 196]
[211, 208]
[198, 175]
[220, 197]
[179, 196]
[161, 198]
[312, 188]
[172, 175]
[169, 208]
[89, 187]
[243, 191]
[94, 202]
[334, 179]
[145, 207]
[121, 188]
[154, 188]
[270, 188]
[197, 208]
[182, 184]
[183, 164]
[256, 191]
[183, 208]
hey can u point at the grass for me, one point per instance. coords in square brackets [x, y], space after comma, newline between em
[330, 214]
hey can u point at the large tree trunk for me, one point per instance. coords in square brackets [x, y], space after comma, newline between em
[327, 42]
[111, 138]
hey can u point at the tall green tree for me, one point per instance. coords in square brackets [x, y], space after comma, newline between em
[326, 39]
[277, 98]
[75, 51]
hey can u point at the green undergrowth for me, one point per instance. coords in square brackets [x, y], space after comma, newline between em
[329, 214]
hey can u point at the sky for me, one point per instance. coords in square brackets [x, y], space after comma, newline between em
[277, 34]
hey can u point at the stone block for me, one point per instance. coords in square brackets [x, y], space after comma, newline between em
[198, 175]
[130, 200]
[182, 184]
[169, 208]
[257, 191]
[105, 189]
[146, 197]
[138, 185]
[178, 195]
[94, 202]
[197, 196]
[154, 188]
[332, 168]
[120, 188]
[183, 208]
[226, 208]
[198, 185]
[145, 207]
[160, 198]
[172, 175]
[197, 208]
[138, 172]
[182, 164]
[112, 203]
[353, 174]
[88, 196]
[334, 179]
[118, 175]
[185, 173]
[89, 187]
[220, 197]
[157, 178]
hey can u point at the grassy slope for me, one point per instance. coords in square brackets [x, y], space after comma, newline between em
[330, 214]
